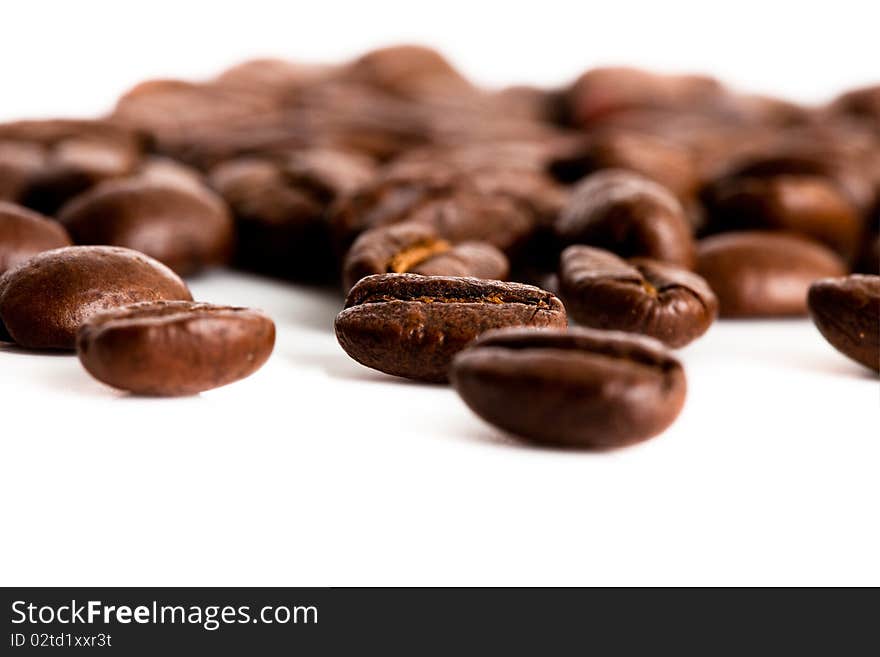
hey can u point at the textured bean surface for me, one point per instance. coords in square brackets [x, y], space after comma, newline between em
[576, 388]
[629, 215]
[661, 300]
[763, 274]
[174, 348]
[847, 312]
[44, 301]
[411, 326]
[417, 248]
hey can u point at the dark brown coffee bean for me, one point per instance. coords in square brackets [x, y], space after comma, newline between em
[495, 220]
[763, 274]
[280, 207]
[411, 326]
[667, 163]
[184, 229]
[809, 205]
[630, 215]
[862, 103]
[577, 388]
[174, 348]
[24, 233]
[661, 300]
[64, 158]
[44, 300]
[847, 313]
[416, 248]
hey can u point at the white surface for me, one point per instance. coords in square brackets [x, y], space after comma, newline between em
[317, 471]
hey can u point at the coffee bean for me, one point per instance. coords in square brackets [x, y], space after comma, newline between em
[416, 248]
[24, 233]
[628, 214]
[810, 205]
[280, 207]
[408, 71]
[847, 313]
[411, 326]
[64, 158]
[763, 274]
[44, 300]
[604, 92]
[578, 388]
[174, 348]
[661, 160]
[661, 300]
[185, 230]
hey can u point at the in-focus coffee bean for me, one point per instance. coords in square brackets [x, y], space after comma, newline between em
[600, 290]
[185, 229]
[762, 273]
[577, 388]
[44, 300]
[411, 325]
[24, 233]
[847, 313]
[172, 348]
[630, 215]
[416, 248]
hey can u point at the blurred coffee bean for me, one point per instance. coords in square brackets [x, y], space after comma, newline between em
[281, 204]
[602, 291]
[862, 103]
[665, 162]
[46, 163]
[184, 229]
[579, 388]
[408, 71]
[24, 233]
[847, 313]
[44, 300]
[172, 348]
[412, 326]
[762, 273]
[416, 248]
[602, 92]
[810, 205]
[628, 214]
[275, 77]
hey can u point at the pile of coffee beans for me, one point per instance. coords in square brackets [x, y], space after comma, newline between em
[465, 227]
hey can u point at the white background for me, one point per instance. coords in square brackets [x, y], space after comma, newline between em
[317, 471]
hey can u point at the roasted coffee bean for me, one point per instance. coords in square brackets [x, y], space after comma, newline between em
[764, 274]
[24, 233]
[578, 388]
[408, 71]
[602, 93]
[280, 207]
[174, 347]
[184, 229]
[847, 313]
[416, 248]
[665, 162]
[411, 326]
[810, 205]
[50, 162]
[862, 103]
[661, 300]
[44, 300]
[630, 215]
